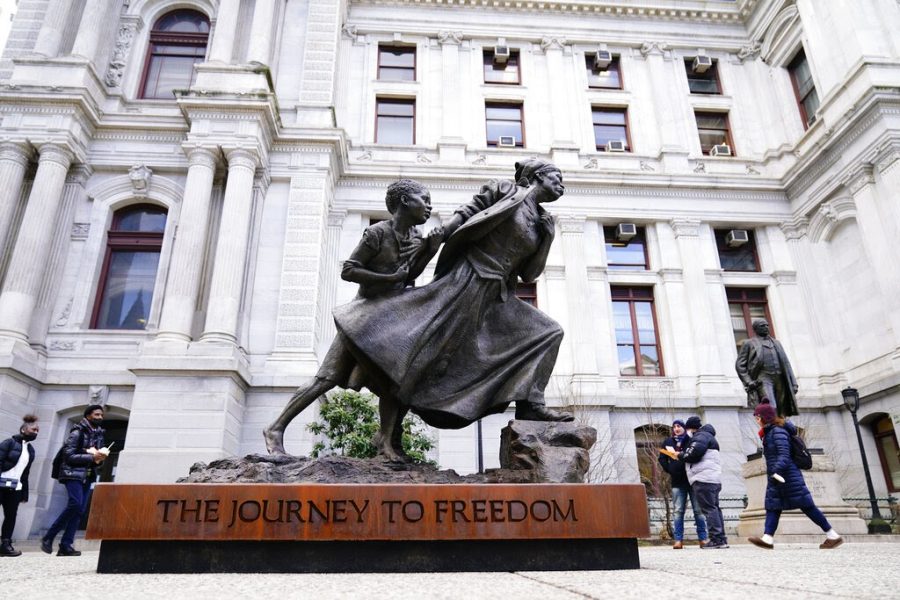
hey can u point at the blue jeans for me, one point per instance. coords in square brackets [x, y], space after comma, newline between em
[679, 500]
[68, 520]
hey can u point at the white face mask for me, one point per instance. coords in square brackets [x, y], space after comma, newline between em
[690, 433]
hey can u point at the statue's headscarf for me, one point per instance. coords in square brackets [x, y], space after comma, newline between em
[528, 169]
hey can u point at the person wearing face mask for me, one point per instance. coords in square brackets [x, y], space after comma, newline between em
[681, 487]
[83, 452]
[16, 456]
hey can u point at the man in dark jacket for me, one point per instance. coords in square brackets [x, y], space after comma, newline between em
[681, 487]
[704, 470]
[16, 456]
[82, 452]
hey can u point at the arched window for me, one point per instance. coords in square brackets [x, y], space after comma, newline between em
[129, 268]
[177, 41]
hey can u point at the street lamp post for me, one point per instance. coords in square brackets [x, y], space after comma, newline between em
[851, 401]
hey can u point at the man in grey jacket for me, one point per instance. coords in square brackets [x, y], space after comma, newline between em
[704, 471]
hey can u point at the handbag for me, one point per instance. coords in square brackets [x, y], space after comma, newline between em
[7, 483]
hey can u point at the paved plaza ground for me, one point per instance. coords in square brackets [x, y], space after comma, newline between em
[855, 570]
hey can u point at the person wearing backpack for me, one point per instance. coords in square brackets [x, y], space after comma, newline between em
[785, 489]
[16, 456]
[81, 456]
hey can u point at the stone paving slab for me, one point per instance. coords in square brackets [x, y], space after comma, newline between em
[860, 571]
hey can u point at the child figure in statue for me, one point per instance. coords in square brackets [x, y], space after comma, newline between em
[389, 257]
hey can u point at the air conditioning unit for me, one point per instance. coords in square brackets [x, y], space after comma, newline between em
[602, 59]
[736, 237]
[501, 54]
[720, 150]
[625, 231]
[701, 64]
[507, 141]
[615, 146]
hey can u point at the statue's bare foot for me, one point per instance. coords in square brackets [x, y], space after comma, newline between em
[385, 449]
[274, 440]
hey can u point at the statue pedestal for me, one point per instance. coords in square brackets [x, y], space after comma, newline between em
[821, 480]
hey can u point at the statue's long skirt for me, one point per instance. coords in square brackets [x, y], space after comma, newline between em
[453, 351]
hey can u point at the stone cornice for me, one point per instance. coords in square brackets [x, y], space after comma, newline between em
[696, 11]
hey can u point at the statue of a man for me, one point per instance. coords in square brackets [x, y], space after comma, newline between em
[766, 371]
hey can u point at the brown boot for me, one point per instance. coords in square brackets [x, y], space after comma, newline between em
[829, 544]
[677, 545]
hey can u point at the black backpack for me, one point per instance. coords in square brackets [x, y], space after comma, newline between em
[61, 454]
[800, 453]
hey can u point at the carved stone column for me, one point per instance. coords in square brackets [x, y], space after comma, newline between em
[180, 302]
[90, 28]
[53, 27]
[554, 48]
[29, 258]
[581, 330]
[260, 49]
[14, 158]
[222, 46]
[73, 192]
[129, 26]
[450, 42]
[227, 285]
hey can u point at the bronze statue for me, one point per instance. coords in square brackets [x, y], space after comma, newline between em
[463, 346]
[766, 371]
[389, 257]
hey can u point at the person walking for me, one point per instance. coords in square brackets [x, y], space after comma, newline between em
[16, 456]
[82, 453]
[785, 489]
[703, 466]
[681, 487]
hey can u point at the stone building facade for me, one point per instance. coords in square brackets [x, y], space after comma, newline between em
[181, 179]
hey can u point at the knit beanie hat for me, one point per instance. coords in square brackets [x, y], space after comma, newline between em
[765, 411]
[693, 423]
[677, 422]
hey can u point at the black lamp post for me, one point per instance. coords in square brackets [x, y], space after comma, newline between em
[851, 401]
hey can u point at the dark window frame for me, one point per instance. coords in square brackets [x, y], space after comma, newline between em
[745, 297]
[609, 238]
[878, 435]
[727, 130]
[721, 247]
[391, 100]
[404, 50]
[125, 241]
[615, 65]
[792, 67]
[638, 294]
[502, 104]
[612, 109]
[162, 37]
[712, 74]
[514, 57]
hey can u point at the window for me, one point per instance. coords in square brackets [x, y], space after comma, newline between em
[737, 258]
[630, 255]
[636, 339]
[502, 72]
[177, 42]
[609, 78]
[713, 130]
[804, 89]
[503, 120]
[745, 305]
[527, 292]
[129, 268]
[397, 63]
[610, 124]
[703, 83]
[395, 121]
[888, 452]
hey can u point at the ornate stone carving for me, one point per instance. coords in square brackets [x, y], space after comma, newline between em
[481, 159]
[63, 345]
[552, 43]
[645, 166]
[751, 170]
[795, 230]
[64, 316]
[124, 38]
[367, 155]
[80, 231]
[646, 384]
[701, 167]
[828, 213]
[421, 158]
[685, 227]
[859, 178]
[591, 164]
[749, 52]
[140, 179]
[648, 48]
[98, 394]
[450, 37]
[349, 31]
[571, 225]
